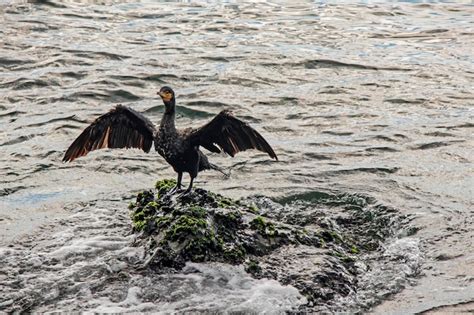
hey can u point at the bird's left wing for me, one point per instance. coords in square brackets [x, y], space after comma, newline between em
[226, 132]
[122, 127]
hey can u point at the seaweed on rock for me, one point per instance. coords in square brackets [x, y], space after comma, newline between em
[204, 226]
[310, 250]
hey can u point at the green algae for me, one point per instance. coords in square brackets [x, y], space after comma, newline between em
[331, 236]
[354, 249]
[223, 202]
[139, 220]
[163, 221]
[197, 211]
[252, 266]
[184, 227]
[235, 254]
[258, 224]
[138, 224]
[253, 208]
[163, 186]
[342, 256]
[142, 215]
[152, 205]
[263, 227]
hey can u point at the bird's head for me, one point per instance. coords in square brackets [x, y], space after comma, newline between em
[167, 94]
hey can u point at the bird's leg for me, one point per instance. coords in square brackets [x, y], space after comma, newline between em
[190, 187]
[178, 185]
[193, 176]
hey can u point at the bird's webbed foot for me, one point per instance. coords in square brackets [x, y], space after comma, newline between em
[174, 190]
[177, 187]
[186, 192]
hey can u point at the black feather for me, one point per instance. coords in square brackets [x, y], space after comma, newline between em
[122, 127]
[231, 135]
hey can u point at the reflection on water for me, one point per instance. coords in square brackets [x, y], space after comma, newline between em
[369, 98]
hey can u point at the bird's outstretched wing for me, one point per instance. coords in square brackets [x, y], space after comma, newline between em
[122, 127]
[226, 132]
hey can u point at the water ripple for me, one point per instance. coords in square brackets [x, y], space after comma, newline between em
[373, 98]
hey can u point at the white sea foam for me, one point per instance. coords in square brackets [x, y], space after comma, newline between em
[391, 270]
[210, 287]
[88, 265]
[407, 250]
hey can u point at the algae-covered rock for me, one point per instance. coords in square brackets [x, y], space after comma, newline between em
[314, 250]
[204, 226]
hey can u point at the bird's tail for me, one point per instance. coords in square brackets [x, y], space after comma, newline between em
[219, 169]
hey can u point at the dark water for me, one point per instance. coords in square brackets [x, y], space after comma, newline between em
[363, 98]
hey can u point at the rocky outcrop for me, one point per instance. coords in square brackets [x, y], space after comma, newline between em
[316, 251]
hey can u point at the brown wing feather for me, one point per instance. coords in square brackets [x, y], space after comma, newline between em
[122, 127]
[230, 135]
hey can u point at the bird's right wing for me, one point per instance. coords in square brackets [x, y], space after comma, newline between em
[122, 127]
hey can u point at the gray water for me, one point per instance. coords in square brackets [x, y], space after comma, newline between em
[372, 98]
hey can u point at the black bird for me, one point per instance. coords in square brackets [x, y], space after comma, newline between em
[123, 127]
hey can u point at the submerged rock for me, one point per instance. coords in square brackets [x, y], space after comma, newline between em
[309, 248]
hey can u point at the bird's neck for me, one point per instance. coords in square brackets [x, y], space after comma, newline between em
[167, 122]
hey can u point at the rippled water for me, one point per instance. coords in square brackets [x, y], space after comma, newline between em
[358, 98]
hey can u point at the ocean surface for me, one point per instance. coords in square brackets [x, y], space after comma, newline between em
[366, 97]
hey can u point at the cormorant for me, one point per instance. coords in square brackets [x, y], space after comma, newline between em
[123, 127]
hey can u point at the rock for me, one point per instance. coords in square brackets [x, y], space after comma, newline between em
[204, 226]
[316, 253]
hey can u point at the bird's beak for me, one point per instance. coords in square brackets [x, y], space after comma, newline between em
[166, 97]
